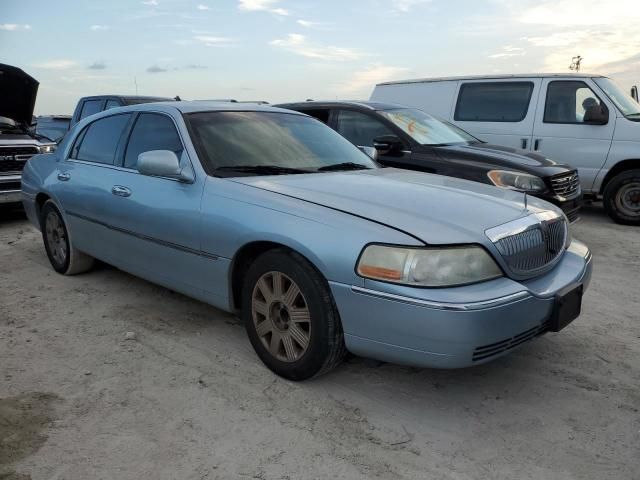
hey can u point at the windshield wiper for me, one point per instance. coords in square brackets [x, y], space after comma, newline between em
[344, 166]
[261, 169]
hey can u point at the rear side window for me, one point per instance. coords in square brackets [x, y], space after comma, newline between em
[90, 107]
[493, 102]
[112, 104]
[321, 114]
[99, 141]
[360, 129]
[151, 131]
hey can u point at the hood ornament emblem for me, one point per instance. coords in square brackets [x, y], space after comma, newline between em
[526, 201]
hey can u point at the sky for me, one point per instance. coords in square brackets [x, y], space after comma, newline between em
[288, 50]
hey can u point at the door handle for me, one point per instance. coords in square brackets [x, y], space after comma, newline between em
[64, 177]
[120, 191]
[536, 144]
[525, 141]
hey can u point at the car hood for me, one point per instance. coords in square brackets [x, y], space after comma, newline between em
[432, 208]
[503, 157]
[18, 93]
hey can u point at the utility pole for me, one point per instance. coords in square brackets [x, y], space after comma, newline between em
[135, 81]
[575, 63]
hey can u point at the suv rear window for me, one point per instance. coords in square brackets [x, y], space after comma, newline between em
[493, 102]
[99, 141]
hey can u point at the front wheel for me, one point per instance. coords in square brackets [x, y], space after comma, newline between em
[622, 198]
[290, 316]
[64, 257]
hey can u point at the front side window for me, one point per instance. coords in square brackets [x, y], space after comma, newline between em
[151, 131]
[99, 141]
[627, 105]
[493, 102]
[360, 129]
[569, 101]
[264, 142]
[90, 107]
[427, 130]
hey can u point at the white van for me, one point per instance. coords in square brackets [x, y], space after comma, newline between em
[586, 121]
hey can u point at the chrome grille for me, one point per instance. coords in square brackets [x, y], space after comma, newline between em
[530, 244]
[13, 159]
[566, 185]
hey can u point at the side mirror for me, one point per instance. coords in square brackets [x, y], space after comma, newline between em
[634, 93]
[161, 163]
[370, 151]
[387, 144]
[597, 115]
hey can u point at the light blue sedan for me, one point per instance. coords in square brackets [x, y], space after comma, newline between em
[271, 214]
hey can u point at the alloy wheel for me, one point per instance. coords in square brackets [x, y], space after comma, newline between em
[56, 238]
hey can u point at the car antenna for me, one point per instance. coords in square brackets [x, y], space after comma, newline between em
[525, 200]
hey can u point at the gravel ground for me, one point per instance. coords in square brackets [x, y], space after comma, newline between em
[186, 397]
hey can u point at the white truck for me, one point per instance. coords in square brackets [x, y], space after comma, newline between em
[586, 121]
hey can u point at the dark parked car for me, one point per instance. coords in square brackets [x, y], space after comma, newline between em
[53, 127]
[413, 139]
[89, 105]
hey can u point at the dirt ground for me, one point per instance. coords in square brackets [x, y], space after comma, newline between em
[188, 399]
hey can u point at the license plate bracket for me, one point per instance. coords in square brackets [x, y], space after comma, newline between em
[566, 308]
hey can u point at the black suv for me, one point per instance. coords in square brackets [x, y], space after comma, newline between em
[412, 139]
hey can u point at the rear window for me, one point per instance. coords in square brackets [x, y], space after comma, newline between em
[99, 141]
[493, 102]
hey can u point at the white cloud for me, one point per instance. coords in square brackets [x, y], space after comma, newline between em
[298, 44]
[12, 27]
[213, 41]
[262, 6]
[151, 3]
[406, 5]
[203, 8]
[509, 51]
[310, 24]
[56, 64]
[362, 82]
[99, 28]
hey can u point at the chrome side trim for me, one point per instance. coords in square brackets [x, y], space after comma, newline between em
[463, 307]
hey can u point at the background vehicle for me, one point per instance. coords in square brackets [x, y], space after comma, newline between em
[583, 120]
[53, 127]
[271, 214]
[97, 103]
[412, 139]
[18, 142]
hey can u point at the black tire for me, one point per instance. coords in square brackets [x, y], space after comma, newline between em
[64, 258]
[325, 348]
[622, 197]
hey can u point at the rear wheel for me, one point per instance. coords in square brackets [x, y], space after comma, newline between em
[622, 197]
[290, 316]
[63, 256]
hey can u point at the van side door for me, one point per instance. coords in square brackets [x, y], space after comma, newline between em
[500, 112]
[564, 130]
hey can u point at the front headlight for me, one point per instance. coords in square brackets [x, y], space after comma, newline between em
[516, 181]
[427, 267]
[48, 148]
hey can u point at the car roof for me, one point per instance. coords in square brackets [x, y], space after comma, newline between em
[366, 105]
[493, 77]
[196, 106]
[127, 97]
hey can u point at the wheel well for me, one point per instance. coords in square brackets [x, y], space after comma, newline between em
[618, 168]
[41, 198]
[241, 263]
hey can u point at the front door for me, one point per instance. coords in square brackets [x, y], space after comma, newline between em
[561, 133]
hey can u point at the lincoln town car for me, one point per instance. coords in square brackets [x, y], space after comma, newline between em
[270, 214]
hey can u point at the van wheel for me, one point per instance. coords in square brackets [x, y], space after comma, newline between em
[290, 316]
[622, 197]
[63, 256]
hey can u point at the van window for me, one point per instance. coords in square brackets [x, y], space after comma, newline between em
[568, 101]
[99, 140]
[360, 129]
[493, 102]
[90, 107]
[151, 131]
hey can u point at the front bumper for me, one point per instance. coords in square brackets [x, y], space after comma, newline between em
[10, 189]
[571, 207]
[454, 327]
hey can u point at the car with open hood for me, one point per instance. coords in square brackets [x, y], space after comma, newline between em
[18, 142]
[271, 214]
[409, 138]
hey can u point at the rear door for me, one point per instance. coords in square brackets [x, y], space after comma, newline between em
[561, 133]
[500, 112]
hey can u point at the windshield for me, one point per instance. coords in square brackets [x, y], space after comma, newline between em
[627, 105]
[264, 143]
[427, 130]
